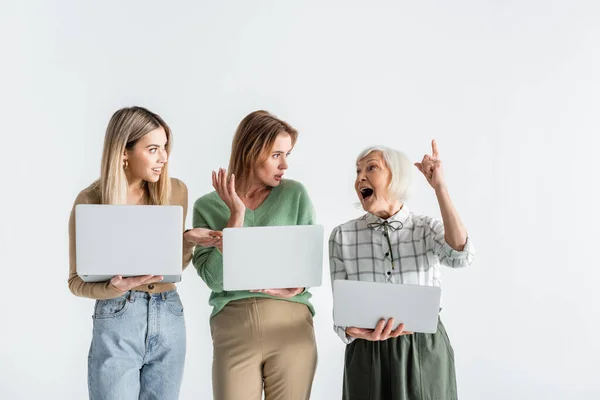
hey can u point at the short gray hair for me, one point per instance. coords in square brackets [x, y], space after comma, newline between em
[401, 168]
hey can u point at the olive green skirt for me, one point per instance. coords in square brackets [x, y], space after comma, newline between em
[410, 367]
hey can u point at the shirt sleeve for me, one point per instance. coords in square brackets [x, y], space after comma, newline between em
[337, 271]
[446, 254]
[183, 202]
[208, 261]
[306, 209]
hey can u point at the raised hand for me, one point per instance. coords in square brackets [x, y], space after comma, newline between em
[226, 190]
[431, 168]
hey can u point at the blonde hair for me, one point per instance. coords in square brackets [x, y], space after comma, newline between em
[125, 128]
[253, 140]
[400, 167]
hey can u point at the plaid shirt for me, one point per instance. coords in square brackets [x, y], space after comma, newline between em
[404, 249]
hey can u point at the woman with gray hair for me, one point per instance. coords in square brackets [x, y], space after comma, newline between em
[382, 363]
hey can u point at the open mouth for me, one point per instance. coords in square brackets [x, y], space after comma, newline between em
[157, 170]
[366, 193]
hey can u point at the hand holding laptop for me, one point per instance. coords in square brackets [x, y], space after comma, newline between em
[125, 284]
[382, 331]
[285, 293]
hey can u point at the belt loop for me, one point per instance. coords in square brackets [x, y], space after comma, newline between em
[130, 296]
[164, 296]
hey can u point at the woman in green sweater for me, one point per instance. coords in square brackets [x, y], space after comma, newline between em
[260, 338]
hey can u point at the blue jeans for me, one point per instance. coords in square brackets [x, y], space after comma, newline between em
[138, 347]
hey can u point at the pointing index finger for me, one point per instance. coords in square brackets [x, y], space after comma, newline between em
[434, 149]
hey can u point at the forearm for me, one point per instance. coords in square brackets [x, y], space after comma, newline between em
[209, 264]
[96, 290]
[455, 232]
[188, 250]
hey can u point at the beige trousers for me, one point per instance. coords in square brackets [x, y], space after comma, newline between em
[263, 343]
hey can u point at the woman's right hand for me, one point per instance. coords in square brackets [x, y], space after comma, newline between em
[382, 331]
[227, 193]
[125, 284]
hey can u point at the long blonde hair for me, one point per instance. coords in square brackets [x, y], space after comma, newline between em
[125, 128]
[253, 140]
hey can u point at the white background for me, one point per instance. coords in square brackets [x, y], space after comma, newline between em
[508, 88]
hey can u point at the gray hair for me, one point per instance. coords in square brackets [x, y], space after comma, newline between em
[400, 167]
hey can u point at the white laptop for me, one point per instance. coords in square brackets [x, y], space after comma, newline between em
[272, 257]
[363, 304]
[128, 240]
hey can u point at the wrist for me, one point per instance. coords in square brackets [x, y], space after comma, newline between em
[236, 220]
[117, 289]
[441, 189]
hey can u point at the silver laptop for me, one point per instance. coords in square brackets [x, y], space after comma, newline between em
[272, 257]
[128, 240]
[363, 304]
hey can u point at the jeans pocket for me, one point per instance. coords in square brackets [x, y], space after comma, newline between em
[174, 304]
[110, 308]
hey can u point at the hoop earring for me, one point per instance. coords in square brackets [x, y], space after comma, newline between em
[125, 164]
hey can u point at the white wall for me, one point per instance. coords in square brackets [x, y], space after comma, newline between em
[508, 88]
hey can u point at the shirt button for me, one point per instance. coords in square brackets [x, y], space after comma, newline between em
[150, 286]
[389, 273]
[387, 254]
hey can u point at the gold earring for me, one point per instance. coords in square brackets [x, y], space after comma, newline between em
[125, 164]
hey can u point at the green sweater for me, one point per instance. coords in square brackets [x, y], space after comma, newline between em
[287, 204]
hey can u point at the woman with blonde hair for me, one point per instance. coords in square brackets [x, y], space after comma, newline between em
[138, 339]
[261, 339]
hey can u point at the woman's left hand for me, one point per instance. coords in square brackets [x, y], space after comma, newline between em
[204, 237]
[431, 167]
[284, 293]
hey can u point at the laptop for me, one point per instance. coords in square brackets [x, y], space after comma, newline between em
[272, 257]
[128, 240]
[363, 304]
